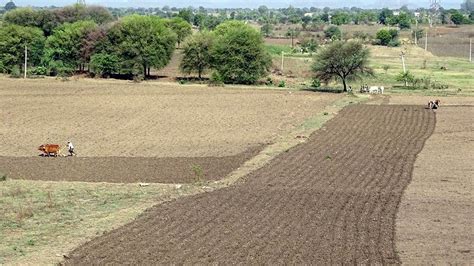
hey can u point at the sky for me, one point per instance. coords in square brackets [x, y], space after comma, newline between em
[244, 3]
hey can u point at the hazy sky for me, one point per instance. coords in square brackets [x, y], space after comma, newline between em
[244, 3]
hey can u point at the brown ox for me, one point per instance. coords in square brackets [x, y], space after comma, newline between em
[49, 149]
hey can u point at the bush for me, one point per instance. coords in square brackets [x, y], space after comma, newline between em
[333, 33]
[393, 43]
[282, 84]
[216, 79]
[104, 65]
[15, 72]
[3, 177]
[316, 83]
[38, 71]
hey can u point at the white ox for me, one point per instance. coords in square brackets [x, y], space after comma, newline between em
[376, 89]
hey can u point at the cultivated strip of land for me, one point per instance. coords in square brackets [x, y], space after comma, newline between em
[435, 221]
[332, 200]
[125, 169]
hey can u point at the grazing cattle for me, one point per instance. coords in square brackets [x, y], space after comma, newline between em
[50, 149]
[374, 89]
[434, 104]
[381, 89]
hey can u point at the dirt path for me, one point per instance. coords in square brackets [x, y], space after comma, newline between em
[435, 221]
[332, 200]
[124, 169]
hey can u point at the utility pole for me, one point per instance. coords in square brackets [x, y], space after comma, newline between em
[282, 58]
[416, 32]
[26, 60]
[402, 55]
[470, 49]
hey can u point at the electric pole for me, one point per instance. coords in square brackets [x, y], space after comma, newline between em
[282, 58]
[26, 60]
[470, 49]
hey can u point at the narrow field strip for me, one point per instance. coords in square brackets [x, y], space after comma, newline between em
[331, 200]
[125, 169]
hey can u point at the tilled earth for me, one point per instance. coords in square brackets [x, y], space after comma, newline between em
[330, 200]
[124, 169]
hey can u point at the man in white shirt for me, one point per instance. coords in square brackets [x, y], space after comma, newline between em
[70, 147]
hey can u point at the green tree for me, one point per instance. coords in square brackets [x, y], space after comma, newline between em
[404, 21]
[180, 27]
[385, 15]
[13, 39]
[104, 64]
[333, 33]
[387, 37]
[196, 54]
[142, 42]
[406, 77]
[266, 29]
[238, 53]
[10, 6]
[66, 43]
[343, 60]
[186, 14]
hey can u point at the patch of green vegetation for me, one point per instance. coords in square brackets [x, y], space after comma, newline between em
[274, 49]
[40, 219]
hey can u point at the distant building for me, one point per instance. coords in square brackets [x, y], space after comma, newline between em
[396, 13]
[308, 14]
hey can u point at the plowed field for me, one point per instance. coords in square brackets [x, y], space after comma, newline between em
[124, 169]
[330, 200]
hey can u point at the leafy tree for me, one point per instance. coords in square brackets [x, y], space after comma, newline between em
[387, 37]
[309, 46]
[186, 15]
[340, 18]
[10, 6]
[406, 77]
[404, 21]
[468, 6]
[13, 39]
[333, 33]
[66, 43]
[142, 42]
[104, 64]
[343, 60]
[22, 17]
[456, 17]
[385, 15]
[238, 53]
[180, 27]
[266, 29]
[196, 54]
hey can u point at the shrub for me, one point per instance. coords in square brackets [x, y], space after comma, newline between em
[3, 177]
[104, 64]
[282, 84]
[393, 43]
[38, 71]
[15, 72]
[387, 38]
[216, 79]
[333, 33]
[316, 83]
[385, 68]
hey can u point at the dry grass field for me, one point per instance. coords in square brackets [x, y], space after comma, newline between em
[120, 118]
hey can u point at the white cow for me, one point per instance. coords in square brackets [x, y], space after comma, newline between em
[373, 89]
[381, 88]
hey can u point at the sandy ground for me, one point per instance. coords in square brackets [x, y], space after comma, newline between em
[330, 200]
[121, 118]
[435, 222]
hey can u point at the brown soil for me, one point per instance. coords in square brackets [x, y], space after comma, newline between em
[124, 169]
[151, 119]
[330, 200]
[435, 221]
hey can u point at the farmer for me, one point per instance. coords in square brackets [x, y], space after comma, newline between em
[434, 104]
[70, 148]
